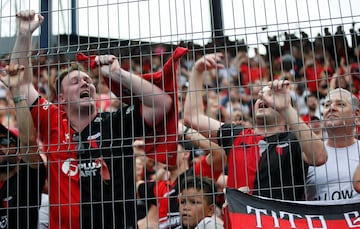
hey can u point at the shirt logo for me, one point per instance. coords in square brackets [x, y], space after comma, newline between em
[88, 169]
[263, 145]
[3, 221]
[69, 167]
[46, 105]
[98, 119]
[279, 148]
[5, 201]
[129, 109]
[95, 136]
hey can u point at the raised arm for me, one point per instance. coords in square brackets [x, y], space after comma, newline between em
[29, 149]
[26, 25]
[194, 115]
[215, 155]
[156, 103]
[277, 95]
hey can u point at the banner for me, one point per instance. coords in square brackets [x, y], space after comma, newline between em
[247, 211]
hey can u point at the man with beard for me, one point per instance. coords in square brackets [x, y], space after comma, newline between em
[22, 171]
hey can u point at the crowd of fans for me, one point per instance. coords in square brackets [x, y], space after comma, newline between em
[231, 94]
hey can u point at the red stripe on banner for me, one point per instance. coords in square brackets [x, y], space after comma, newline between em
[247, 211]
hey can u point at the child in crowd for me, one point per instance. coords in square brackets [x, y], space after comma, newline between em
[197, 203]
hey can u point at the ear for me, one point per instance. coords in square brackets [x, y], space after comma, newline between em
[357, 115]
[211, 210]
[61, 98]
[186, 155]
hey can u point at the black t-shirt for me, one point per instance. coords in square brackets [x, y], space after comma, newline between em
[109, 138]
[281, 171]
[21, 197]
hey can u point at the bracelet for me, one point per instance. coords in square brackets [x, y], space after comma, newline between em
[19, 98]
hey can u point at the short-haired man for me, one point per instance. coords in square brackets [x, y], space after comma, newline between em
[90, 156]
[333, 180]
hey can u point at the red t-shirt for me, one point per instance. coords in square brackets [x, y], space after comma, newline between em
[250, 74]
[64, 193]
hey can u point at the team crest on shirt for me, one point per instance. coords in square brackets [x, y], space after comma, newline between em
[98, 119]
[5, 201]
[263, 146]
[280, 147]
[45, 105]
[129, 109]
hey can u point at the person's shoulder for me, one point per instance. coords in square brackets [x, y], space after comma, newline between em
[209, 223]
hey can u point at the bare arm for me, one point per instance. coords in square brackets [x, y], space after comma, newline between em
[26, 25]
[194, 115]
[156, 103]
[356, 179]
[312, 146]
[27, 133]
[215, 155]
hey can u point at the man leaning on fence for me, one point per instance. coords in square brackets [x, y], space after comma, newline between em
[22, 171]
[90, 156]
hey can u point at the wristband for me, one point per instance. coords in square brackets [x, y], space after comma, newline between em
[19, 98]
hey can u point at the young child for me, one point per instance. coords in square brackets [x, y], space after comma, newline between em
[197, 203]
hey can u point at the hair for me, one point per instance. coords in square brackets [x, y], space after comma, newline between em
[352, 98]
[309, 96]
[73, 66]
[207, 185]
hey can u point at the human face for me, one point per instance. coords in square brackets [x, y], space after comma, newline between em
[8, 157]
[338, 110]
[193, 207]
[263, 113]
[77, 90]
[312, 103]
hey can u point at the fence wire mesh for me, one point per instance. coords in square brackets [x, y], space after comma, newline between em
[139, 114]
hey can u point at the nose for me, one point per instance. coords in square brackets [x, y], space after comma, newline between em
[84, 83]
[184, 207]
[332, 106]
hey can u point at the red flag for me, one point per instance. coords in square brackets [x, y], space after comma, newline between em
[161, 145]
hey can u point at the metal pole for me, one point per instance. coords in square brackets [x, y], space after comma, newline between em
[45, 28]
[217, 26]
[73, 18]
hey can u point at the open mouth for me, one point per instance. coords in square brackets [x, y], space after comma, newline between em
[262, 105]
[84, 94]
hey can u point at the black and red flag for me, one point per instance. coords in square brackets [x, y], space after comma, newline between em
[246, 211]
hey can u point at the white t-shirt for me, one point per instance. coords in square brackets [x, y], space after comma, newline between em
[209, 223]
[333, 180]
